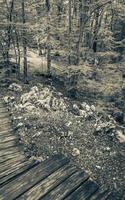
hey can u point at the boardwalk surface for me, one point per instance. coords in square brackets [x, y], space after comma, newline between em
[57, 178]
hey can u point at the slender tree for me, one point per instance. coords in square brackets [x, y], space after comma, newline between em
[69, 31]
[10, 7]
[24, 44]
[48, 39]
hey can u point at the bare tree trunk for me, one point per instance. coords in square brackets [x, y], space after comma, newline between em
[48, 61]
[83, 11]
[24, 45]
[96, 31]
[18, 49]
[69, 34]
[17, 46]
[39, 47]
[48, 39]
[10, 12]
[80, 25]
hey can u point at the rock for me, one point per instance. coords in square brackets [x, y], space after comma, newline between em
[25, 105]
[40, 159]
[108, 149]
[120, 136]
[30, 108]
[8, 99]
[47, 106]
[76, 152]
[83, 105]
[24, 98]
[98, 128]
[93, 108]
[90, 113]
[44, 103]
[70, 133]
[60, 94]
[35, 89]
[87, 108]
[15, 87]
[69, 123]
[75, 109]
[19, 124]
[82, 113]
[118, 116]
[98, 167]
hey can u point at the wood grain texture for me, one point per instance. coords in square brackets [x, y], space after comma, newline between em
[8, 144]
[4, 139]
[11, 163]
[67, 187]
[13, 173]
[101, 194]
[48, 184]
[85, 191]
[8, 157]
[27, 180]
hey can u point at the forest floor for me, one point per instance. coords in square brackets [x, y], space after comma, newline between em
[91, 138]
[104, 86]
[47, 122]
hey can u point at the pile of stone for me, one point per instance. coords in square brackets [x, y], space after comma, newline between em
[43, 111]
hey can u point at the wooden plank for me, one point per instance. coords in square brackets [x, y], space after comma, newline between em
[10, 163]
[3, 109]
[101, 194]
[4, 116]
[5, 126]
[7, 138]
[21, 184]
[9, 122]
[9, 151]
[5, 130]
[12, 174]
[46, 185]
[8, 157]
[6, 133]
[14, 166]
[67, 187]
[85, 191]
[3, 106]
[5, 122]
[6, 145]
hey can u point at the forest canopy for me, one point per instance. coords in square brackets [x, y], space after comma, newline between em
[73, 31]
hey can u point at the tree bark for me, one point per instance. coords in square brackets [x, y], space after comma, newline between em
[24, 44]
[10, 12]
[80, 25]
[48, 39]
[69, 34]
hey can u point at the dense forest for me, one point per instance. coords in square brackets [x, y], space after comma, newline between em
[62, 66]
[72, 32]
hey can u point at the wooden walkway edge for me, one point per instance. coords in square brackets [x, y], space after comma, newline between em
[57, 178]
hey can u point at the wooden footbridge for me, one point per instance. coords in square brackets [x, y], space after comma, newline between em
[57, 178]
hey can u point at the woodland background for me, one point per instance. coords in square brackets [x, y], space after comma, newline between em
[64, 82]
